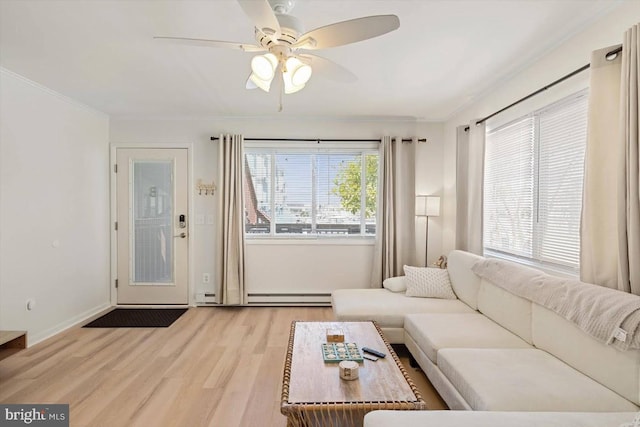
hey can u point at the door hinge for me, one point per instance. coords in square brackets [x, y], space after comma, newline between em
[115, 168]
[116, 283]
[116, 226]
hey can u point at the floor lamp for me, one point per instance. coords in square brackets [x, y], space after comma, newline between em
[427, 206]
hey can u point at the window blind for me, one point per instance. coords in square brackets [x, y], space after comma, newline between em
[562, 136]
[508, 189]
[257, 192]
[534, 170]
[293, 196]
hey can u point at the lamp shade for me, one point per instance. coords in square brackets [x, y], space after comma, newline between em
[427, 205]
[264, 66]
[300, 73]
[295, 75]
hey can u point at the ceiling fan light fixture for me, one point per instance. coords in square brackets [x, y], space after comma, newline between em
[301, 75]
[265, 85]
[289, 87]
[264, 66]
[299, 72]
[250, 85]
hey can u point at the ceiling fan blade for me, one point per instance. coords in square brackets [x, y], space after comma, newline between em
[211, 43]
[262, 16]
[326, 68]
[347, 32]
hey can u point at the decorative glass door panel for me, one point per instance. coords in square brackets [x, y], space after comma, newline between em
[152, 222]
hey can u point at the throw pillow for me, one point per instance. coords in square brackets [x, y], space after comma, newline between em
[395, 284]
[428, 283]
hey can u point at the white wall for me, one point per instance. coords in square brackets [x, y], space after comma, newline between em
[54, 205]
[285, 267]
[568, 56]
[306, 268]
[429, 173]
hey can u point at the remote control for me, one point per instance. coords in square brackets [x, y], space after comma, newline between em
[370, 357]
[372, 351]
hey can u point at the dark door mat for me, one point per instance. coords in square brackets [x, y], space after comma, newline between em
[138, 318]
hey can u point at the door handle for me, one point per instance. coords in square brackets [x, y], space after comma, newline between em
[181, 235]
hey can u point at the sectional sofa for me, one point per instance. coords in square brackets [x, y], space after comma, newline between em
[494, 350]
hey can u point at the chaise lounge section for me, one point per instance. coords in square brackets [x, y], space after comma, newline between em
[389, 308]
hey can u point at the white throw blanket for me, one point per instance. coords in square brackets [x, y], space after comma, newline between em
[601, 312]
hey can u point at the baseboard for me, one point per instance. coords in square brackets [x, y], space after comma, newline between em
[152, 306]
[60, 327]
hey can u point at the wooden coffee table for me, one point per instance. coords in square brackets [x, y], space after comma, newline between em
[313, 393]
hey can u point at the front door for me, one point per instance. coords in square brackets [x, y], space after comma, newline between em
[152, 229]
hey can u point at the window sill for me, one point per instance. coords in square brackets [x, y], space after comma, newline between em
[311, 241]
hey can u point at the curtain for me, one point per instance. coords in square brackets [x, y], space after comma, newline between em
[598, 228]
[610, 227]
[231, 229]
[462, 173]
[395, 241]
[629, 181]
[469, 187]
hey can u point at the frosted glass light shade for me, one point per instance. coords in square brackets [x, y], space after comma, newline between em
[289, 87]
[264, 66]
[265, 85]
[301, 74]
[295, 75]
[263, 69]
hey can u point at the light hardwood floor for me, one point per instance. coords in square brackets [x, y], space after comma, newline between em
[213, 367]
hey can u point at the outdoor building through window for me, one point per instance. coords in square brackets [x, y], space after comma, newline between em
[534, 168]
[298, 191]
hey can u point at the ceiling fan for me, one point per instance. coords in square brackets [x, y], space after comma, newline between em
[288, 46]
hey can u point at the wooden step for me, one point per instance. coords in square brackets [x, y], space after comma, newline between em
[12, 342]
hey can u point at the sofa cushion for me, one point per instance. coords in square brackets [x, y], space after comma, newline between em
[497, 419]
[525, 380]
[428, 283]
[566, 341]
[388, 308]
[510, 311]
[465, 282]
[395, 284]
[433, 332]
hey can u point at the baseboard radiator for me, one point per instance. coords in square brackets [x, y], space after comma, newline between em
[203, 299]
[320, 299]
[273, 299]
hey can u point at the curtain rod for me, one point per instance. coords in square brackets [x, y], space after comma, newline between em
[319, 140]
[550, 85]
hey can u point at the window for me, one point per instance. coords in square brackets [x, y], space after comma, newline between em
[302, 191]
[533, 185]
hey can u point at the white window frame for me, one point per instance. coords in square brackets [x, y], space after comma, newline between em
[535, 260]
[312, 148]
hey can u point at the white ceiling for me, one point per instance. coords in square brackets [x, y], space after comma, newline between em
[444, 54]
